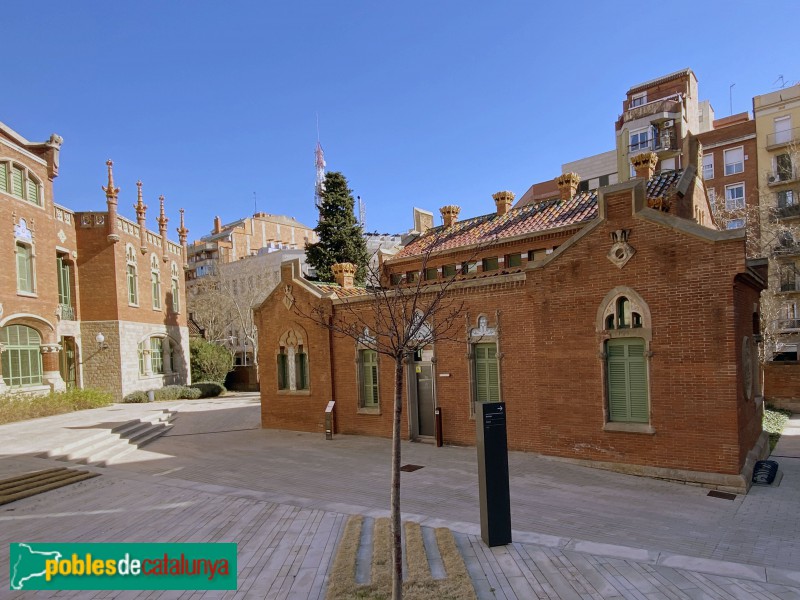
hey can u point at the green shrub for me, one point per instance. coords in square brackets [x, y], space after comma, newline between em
[21, 406]
[209, 362]
[191, 393]
[209, 389]
[136, 398]
[774, 421]
[168, 392]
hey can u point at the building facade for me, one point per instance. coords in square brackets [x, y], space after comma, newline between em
[93, 299]
[615, 325]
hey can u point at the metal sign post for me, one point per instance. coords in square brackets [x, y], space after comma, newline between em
[495, 498]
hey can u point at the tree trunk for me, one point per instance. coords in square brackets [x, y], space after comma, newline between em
[397, 545]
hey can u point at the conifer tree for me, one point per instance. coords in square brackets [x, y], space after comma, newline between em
[340, 237]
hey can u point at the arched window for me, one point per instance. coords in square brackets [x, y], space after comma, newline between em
[157, 355]
[292, 362]
[21, 357]
[155, 280]
[175, 290]
[624, 321]
[25, 258]
[132, 276]
[20, 182]
[484, 363]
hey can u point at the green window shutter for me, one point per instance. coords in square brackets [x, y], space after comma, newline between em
[300, 371]
[369, 377]
[487, 380]
[16, 182]
[627, 381]
[33, 192]
[24, 269]
[64, 292]
[132, 292]
[3, 177]
[283, 374]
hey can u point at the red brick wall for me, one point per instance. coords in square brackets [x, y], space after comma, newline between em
[782, 384]
[552, 377]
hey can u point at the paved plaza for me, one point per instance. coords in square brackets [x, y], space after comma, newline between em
[284, 498]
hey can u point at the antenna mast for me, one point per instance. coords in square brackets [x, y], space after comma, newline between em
[319, 163]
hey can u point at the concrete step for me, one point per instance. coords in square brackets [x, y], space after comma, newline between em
[24, 486]
[101, 447]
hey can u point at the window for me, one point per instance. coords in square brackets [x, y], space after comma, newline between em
[790, 278]
[640, 139]
[292, 362]
[155, 281]
[412, 276]
[514, 260]
[638, 99]
[24, 268]
[627, 380]
[708, 166]
[783, 167]
[157, 355]
[668, 164]
[64, 284]
[623, 316]
[18, 181]
[783, 129]
[734, 196]
[487, 382]
[133, 285]
[785, 198]
[734, 160]
[712, 198]
[368, 378]
[735, 224]
[431, 274]
[21, 358]
[142, 364]
[468, 267]
[175, 290]
[448, 271]
[490, 264]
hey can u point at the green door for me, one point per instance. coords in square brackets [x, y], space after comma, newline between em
[627, 381]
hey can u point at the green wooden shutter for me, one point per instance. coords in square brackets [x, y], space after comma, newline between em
[24, 270]
[3, 177]
[283, 378]
[627, 381]
[33, 192]
[487, 381]
[16, 182]
[369, 377]
[300, 371]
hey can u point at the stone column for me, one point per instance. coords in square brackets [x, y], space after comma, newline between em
[51, 373]
[2, 382]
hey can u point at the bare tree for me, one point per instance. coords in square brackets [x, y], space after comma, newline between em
[396, 320]
[210, 306]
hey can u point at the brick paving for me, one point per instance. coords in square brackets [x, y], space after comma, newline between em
[284, 497]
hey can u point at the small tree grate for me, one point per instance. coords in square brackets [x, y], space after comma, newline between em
[723, 495]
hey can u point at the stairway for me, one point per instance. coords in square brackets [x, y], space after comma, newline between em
[30, 484]
[103, 447]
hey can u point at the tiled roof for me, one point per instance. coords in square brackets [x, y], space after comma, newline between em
[659, 80]
[528, 219]
[335, 288]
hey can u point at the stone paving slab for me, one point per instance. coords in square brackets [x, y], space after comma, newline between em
[287, 509]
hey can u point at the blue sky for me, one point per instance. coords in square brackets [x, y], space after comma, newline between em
[420, 103]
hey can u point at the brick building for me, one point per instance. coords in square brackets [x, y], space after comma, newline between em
[616, 325]
[92, 299]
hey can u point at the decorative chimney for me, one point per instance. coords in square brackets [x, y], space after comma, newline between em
[568, 185]
[141, 214]
[344, 274]
[503, 201]
[645, 164]
[162, 229]
[111, 201]
[183, 234]
[217, 225]
[450, 214]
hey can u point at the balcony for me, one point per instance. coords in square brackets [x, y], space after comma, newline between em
[788, 212]
[670, 105]
[663, 143]
[787, 249]
[783, 138]
[788, 324]
[66, 312]
[781, 176]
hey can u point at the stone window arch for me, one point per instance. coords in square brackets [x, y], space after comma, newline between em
[485, 360]
[157, 354]
[175, 288]
[155, 282]
[132, 275]
[624, 329]
[292, 362]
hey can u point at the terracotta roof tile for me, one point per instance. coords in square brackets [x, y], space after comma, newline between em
[528, 219]
[335, 288]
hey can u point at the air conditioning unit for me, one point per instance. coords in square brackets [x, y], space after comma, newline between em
[669, 123]
[771, 179]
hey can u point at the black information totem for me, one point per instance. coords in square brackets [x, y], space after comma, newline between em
[493, 473]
